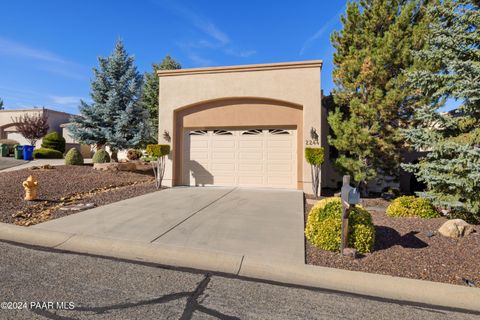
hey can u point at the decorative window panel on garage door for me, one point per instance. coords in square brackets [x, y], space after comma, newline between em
[250, 157]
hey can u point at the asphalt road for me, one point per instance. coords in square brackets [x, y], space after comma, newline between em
[52, 285]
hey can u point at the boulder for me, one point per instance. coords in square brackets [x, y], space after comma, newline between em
[455, 228]
[115, 166]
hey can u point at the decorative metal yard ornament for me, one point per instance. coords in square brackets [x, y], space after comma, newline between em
[313, 134]
[30, 185]
[166, 136]
[350, 197]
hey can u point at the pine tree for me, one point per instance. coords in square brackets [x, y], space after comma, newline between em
[115, 118]
[451, 169]
[372, 51]
[149, 100]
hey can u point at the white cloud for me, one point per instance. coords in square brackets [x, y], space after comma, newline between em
[201, 62]
[8, 47]
[46, 60]
[320, 32]
[65, 100]
[219, 40]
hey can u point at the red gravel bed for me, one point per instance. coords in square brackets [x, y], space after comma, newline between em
[65, 185]
[403, 249]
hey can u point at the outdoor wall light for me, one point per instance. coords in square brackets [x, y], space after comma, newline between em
[166, 136]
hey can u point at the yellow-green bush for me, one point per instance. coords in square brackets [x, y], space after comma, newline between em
[411, 206]
[324, 226]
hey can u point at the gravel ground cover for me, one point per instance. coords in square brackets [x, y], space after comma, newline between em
[66, 185]
[404, 247]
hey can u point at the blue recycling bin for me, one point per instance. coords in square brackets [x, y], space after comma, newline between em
[28, 153]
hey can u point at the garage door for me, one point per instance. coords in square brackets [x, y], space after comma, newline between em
[251, 157]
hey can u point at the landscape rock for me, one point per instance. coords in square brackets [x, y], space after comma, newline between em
[78, 207]
[115, 166]
[456, 228]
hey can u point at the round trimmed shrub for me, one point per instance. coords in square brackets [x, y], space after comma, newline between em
[134, 154]
[54, 140]
[46, 153]
[411, 206]
[101, 156]
[73, 158]
[324, 227]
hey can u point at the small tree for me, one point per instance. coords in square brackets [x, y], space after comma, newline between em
[1, 104]
[315, 157]
[114, 118]
[32, 126]
[149, 99]
[157, 154]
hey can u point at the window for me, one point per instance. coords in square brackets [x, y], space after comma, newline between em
[278, 131]
[252, 132]
[222, 133]
[198, 133]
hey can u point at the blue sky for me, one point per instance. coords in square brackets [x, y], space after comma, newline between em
[48, 48]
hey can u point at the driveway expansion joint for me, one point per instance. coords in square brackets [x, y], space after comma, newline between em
[190, 216]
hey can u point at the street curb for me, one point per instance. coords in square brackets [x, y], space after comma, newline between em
[354, 282]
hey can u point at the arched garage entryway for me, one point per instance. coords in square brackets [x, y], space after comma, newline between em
[239, 141]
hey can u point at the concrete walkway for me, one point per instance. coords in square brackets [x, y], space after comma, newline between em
[9, 162]
[264, 223]
[20, 164]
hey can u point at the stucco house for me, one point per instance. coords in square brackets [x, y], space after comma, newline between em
[8, 129]
[243, 125]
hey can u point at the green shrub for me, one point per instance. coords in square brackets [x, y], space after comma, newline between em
[54, 140]
[314, 156]
[324, 226]
[73, 158]
[101, 156]
[158, 150]
[411, 206]
[45, 153]
[134, 154]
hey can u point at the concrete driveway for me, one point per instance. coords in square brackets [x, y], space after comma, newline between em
[266, 223]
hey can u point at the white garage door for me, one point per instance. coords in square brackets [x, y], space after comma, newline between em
[251, 157]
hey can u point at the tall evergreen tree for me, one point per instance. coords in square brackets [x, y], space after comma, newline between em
[115, 118]
[372, 51]
[149, 100]
[451, 169]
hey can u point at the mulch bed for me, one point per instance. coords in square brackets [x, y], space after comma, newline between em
[66, 185]
[403, 249]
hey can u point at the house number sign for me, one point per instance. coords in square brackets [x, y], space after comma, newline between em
[311, 142]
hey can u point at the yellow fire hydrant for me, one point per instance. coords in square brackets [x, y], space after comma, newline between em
[30, 185]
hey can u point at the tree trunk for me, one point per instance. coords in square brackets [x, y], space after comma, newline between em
[114, 156]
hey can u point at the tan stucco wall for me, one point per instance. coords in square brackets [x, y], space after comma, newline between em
[7, 125]
[287, 83]
[237, 113]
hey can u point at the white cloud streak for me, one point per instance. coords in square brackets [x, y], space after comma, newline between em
[219, 40]
[66, 100]
[327, 26]
[46, 60]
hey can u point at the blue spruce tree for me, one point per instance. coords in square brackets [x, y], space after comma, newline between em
[451, 169]
[115, 118]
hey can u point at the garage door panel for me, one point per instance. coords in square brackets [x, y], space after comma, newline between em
[223, 167]
[223, 156]
[254, 157]
[279, 156]
[250, 181]
[250, 167]
[224, 144]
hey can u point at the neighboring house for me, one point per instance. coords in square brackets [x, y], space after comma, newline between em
[243, 125]
[85, 149]
[8, 128]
